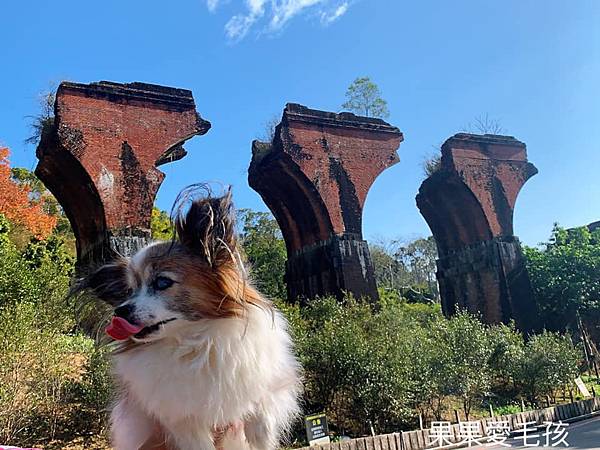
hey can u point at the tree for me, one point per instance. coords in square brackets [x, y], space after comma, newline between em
[484, 124]
[432, 164]
[548, 362]
[45, 119]
[363, 98]
[565, 275]
[265, 251]
[408, 267]
[419, 257]
[39, 194]
[42, 350]
[389, 272]
[466, 372]
[358, 363]
[17, 205]
[160, 225]
[269, 128]
[508, 351]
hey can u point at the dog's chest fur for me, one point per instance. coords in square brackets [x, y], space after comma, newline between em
[215, 371]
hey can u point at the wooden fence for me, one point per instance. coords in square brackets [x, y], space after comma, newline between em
[419, 439]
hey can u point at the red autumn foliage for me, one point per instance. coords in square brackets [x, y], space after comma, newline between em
[16, 205]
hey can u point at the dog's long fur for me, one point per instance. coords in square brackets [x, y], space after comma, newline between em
[221, 372]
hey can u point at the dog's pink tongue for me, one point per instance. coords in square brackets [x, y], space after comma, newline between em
[120, 329]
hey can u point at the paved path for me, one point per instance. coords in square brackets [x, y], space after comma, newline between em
[584, 435]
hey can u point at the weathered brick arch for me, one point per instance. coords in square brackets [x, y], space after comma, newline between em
[290, 193]
[468, 204]
[453, 230]
[314, 176]
[100, 155]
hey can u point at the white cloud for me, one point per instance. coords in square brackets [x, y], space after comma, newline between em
[238, 25]
[212, 5]
[277, 13]
[331, 16]
[286, 9]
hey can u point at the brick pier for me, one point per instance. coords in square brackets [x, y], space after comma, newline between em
[468, 204]
[99, 158]
[314, 176]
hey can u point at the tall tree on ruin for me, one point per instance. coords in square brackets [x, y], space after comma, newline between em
[364, 98]
[19, 205]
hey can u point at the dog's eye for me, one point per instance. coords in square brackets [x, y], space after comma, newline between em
[162, 283]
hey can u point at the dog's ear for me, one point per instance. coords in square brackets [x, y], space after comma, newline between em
[208, 229]
[108, 283]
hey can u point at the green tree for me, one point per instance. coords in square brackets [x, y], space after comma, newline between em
[419, 257]
[27, 177]
[4, 231]
[160, 225]
[465, 371]
[356, 364]
[432, 164]
[265, 251]
[549, 361]
[364, 98]
[44, 356]
[407, 267]
[508, 351]
[43, 121]
[565, 275]
[389, 272]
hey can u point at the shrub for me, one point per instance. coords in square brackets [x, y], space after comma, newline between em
[549, 361]
[467, 371]
[49, 370]
[382, 365]
[36, 365]
[366, 367]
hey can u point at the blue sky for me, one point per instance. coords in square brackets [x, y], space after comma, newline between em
[532, 64]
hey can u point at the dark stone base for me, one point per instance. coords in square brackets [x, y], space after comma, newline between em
[489, 278]
[333, 267]
[127, 243]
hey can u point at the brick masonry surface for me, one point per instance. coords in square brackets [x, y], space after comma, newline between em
[315, 176]
[99, 158]
[468, 204]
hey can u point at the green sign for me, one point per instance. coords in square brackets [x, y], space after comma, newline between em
[316, 429]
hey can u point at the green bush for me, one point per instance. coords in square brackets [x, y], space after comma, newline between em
[464, 364]
[49, 370]
[511, 408]
[549, 361]
[37, 363]
[565, 275]
[383, 365]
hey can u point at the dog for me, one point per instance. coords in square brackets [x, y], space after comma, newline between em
[204, 361]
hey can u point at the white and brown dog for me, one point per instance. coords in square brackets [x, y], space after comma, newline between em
[205, 361]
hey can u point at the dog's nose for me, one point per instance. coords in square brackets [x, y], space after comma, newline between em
[125, 312]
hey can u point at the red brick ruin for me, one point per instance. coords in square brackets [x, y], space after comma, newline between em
[100, 154]
[468, 204]
[99, 157]
[314, 176]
